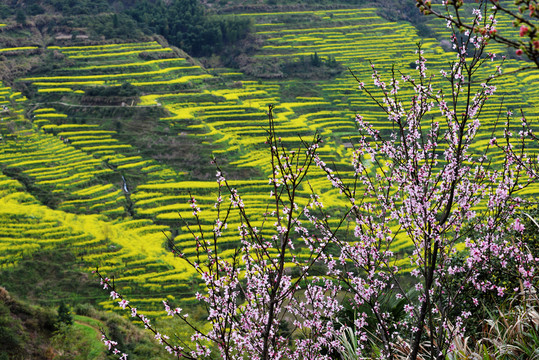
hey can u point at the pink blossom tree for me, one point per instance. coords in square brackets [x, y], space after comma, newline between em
[425, 182]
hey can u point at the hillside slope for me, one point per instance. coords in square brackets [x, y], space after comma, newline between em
[105, 141]
[33, 332]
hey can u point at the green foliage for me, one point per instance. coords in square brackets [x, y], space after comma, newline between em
[115, 26]
[312, 67]
[87, 7]
[185, 24]
[291, 90]
[391, 306]
[30, 332]
[5, 11]
[10, 331]
[131, 339]
[24, 329]
[125, 90]
[85, 309]
[20, 17]
[349, 341]
[35, 9]
[315, 59]
[68, 7]
[510, 332]
[512, 284]
[64, 315]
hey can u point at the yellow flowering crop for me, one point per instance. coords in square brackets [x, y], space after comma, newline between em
[112, 54]
[93, 190]
[50, 115]
[94, 198]
[22, 48]
[91, 132]
[105, 147]
[133, 165]
[136, 64]
[109, 76]
[62, 89]
[103, 46]
[112, 49]
[44, 110]
[179, 80]
[67, 83]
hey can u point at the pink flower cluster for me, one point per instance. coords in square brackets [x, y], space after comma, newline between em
[111, 345]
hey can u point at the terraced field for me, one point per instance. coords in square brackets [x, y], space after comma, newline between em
[53, 193]
[72, 179]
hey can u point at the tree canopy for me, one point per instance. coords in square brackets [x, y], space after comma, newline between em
[187, 24]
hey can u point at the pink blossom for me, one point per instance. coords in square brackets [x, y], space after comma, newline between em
[123, 303]
[109, 343]
[518, 226]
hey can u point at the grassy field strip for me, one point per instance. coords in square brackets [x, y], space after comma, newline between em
[91, 330]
